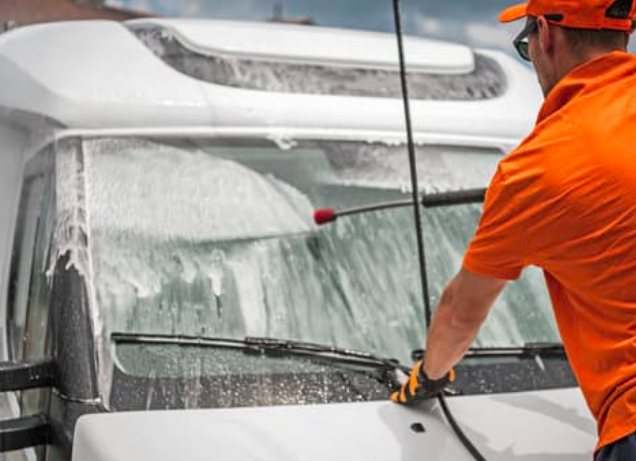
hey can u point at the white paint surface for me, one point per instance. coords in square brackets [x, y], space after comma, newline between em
[317, 45]
[102, 76]
[546, 425]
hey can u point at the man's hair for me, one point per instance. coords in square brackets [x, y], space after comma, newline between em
[582, 40]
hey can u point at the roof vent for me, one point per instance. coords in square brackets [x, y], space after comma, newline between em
[485, 80]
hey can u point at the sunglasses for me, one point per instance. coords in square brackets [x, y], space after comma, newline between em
[521, 41]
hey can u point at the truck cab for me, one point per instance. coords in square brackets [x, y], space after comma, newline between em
[165, 292]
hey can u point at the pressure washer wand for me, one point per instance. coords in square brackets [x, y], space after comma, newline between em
[460, 197]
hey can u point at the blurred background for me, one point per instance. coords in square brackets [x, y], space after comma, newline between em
[473, 22]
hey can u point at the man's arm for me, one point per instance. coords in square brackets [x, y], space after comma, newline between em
[462, 309]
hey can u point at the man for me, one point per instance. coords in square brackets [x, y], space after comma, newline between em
[565, 201]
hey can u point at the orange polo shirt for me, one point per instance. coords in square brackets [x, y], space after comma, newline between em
[565, 201]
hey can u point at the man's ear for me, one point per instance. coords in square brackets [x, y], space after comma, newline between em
[546, 36]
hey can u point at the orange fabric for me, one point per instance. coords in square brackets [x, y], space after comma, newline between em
[414, 381]
[513, 13]
[585, 14]
[565, 200]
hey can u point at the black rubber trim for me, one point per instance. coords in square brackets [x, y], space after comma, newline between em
[461, 197]
[26, 374]
[30, 431]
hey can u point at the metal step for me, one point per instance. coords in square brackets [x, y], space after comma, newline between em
[26, 374]
[19, 433]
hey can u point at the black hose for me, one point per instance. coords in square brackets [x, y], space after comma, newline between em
[412, 163]
[418, 223]
[463, 438]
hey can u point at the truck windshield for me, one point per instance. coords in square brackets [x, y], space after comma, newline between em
[215, 238]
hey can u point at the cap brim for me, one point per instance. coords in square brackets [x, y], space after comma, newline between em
[513, 13]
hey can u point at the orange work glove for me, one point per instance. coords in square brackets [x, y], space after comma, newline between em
[420, 387]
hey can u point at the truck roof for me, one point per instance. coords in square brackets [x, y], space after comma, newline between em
[101, 75]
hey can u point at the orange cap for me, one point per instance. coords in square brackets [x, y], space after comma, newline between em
[582, 14]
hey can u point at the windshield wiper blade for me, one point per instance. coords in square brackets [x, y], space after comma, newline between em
[264, 345]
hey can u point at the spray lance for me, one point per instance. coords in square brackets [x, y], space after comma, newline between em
[461, 197]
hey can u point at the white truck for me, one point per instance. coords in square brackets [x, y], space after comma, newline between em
[165, 293]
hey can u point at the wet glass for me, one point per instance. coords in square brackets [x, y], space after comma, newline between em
[215, 238]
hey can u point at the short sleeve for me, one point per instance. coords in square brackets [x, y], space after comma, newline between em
[499, 247]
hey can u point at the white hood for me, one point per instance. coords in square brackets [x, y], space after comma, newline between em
[541, 426]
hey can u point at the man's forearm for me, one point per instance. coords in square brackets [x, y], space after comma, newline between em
[463, 308]
[447, 342]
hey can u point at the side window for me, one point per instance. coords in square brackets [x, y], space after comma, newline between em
[36, 333]
[29, 287]
[22, 260]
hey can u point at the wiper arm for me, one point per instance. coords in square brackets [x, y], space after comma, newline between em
[304, 348]
[532, 349]
[272, 346]
[436, 199]
[528, 349]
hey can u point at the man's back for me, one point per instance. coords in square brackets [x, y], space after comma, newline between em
[565, 201]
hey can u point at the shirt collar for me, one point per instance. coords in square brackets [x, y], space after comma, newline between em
[586, 78]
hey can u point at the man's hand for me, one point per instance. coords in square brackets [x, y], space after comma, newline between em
[419, 387]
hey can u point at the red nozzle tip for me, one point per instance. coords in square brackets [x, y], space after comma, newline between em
[324, 216]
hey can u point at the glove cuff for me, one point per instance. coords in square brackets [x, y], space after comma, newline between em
[429, 383]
